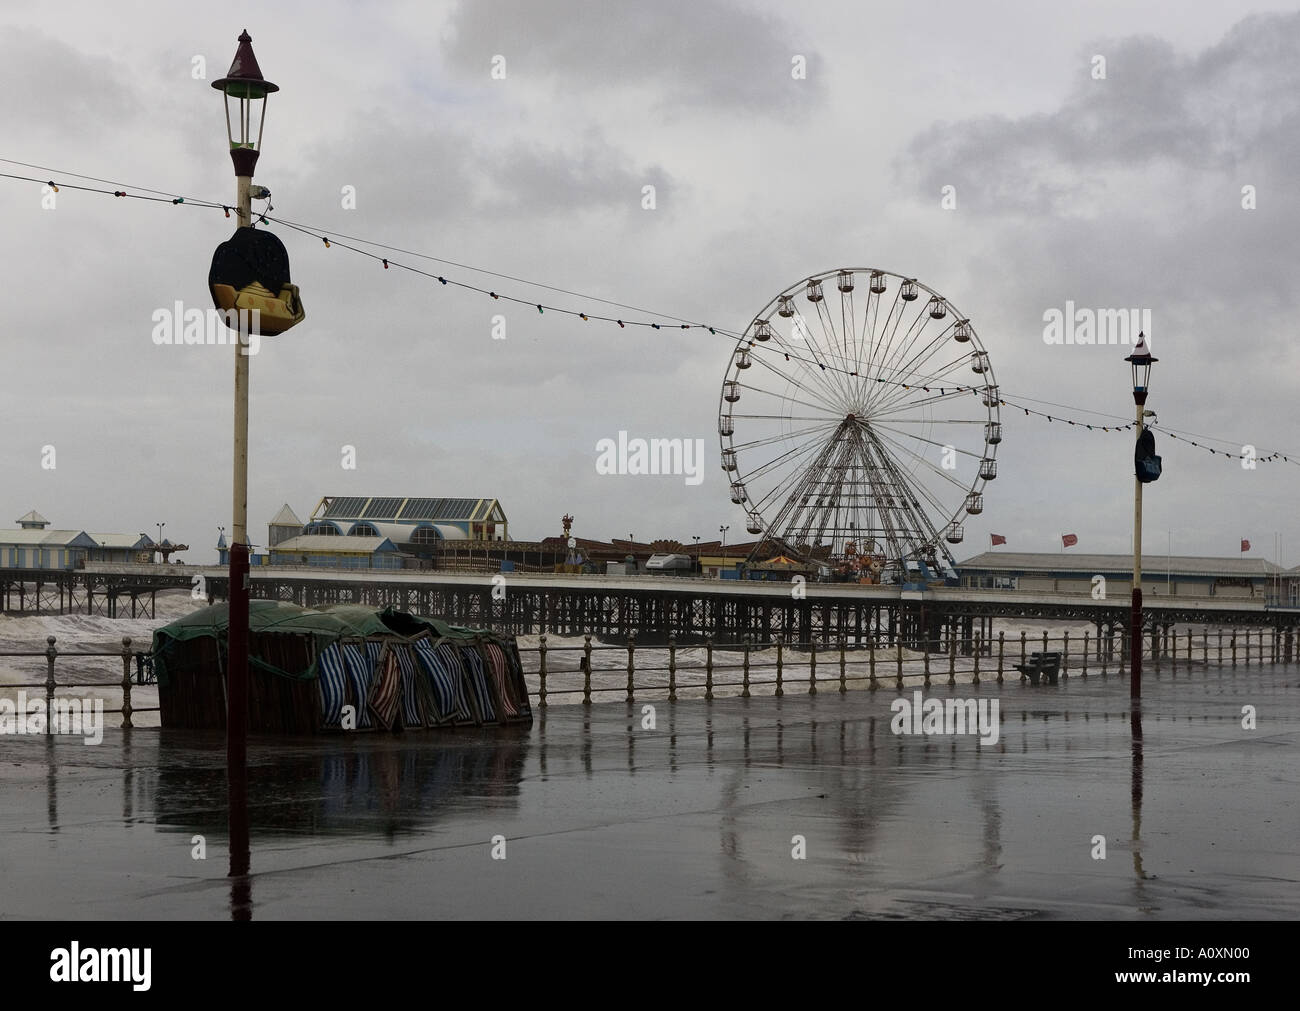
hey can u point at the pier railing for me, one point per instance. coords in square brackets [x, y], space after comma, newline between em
[589, 671]
[52, 683]
[592, 671]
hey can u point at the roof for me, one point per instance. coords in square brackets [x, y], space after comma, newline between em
[328, 544]
[33, 517]
[49, 538]
[286, 517]
[1088, 564]
[405, 510]
[780, 562]
[401, 533]
[124, 540]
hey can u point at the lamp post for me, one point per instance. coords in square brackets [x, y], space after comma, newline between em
[723, 531]
[1140, 361]
[242, 87]
[160, 529]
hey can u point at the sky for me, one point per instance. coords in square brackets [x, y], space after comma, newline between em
[518, 137]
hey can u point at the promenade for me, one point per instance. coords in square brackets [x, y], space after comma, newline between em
[594, 815]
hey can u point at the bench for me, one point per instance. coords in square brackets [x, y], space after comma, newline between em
[1041, 665]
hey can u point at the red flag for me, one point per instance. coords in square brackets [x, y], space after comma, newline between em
[998, 539]
[1245, 544]
[1069, 540]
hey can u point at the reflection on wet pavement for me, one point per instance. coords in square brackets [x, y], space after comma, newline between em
[591, 814]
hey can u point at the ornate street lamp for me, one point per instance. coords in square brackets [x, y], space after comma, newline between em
[242, 87]
[1140, 361]
[245, 86]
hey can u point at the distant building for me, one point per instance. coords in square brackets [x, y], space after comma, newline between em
[356, 552]
[284, 524]
[1178, 576]
[34, 546]
[410, 523]
[380, 532]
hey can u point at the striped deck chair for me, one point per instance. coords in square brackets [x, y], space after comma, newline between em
[424, 690]
[516, 676]
[360, 670]
[385, 692]
[331, 679]
[480, 690]
[446, 680]
[496, 657]
[413, 714]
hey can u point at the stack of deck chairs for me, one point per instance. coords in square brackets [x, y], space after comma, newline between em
[390, 683]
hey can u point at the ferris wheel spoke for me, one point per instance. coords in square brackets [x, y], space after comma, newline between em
[797, 479]
[806, 352]
[782, 417]
[786, 399]
[931, 421]
[913, 334]
[897, 373]
[847, 335]
[964, 358]
[917, 397]
[938, 377]
[921, 458]
[886, 341]
[818, 376]
[805, 486]
[811, 362]
[922, 521]
[778, 437]
[813, 445]
[837, 374]
[932, 442]
[912, 405]
[927, 384]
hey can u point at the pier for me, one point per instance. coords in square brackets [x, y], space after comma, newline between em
[613, 608]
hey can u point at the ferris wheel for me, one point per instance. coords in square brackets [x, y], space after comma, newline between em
[863, 430]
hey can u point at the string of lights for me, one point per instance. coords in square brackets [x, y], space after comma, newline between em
[654, 321]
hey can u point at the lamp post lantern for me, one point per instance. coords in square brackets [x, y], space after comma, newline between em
[1140, 361]
[242, 87]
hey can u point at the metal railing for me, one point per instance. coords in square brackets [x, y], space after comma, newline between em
[777, 667]
[710, 670]
[51, 684]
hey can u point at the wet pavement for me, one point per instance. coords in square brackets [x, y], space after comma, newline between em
[697, 818]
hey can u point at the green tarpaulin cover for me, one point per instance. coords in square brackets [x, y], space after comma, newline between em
[326, 624]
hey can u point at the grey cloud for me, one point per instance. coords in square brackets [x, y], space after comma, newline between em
[690, 52]
[52, 89]
[1236, 104]
[445, 175]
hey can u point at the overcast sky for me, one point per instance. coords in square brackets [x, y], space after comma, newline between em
[1124, 191]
